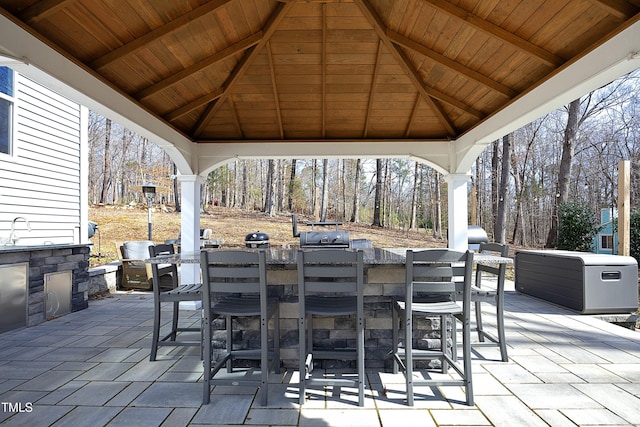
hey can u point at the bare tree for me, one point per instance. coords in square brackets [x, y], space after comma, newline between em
[378, 195]
[292, 185]
[437, 207]
[414, 198]
[325, 190]
[355, 213]
[495, 160]
[566, 163]
[105, 166]
[269, 200]
[501, 214]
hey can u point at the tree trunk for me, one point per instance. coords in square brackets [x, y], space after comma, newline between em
[501, 217]
[355, 213]
[224, 179]
[269, 202]
[386, 196]
[495, 159]
[314, 190]
[477, 217]
[518, 236]
[243, 196]
[378, 194]
[343, 188]
[176, 189]
[292, 183]
[437, 207]
[120, 194]
[280, 185]
[105, 165]
[414, 199]
[325, 193]
[564, 173]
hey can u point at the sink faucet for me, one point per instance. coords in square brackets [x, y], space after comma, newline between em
[13, 236]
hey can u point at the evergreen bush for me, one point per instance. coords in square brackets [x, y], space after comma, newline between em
[634, 239]
[577, 226]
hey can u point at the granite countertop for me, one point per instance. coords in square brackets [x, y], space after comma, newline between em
[31, 248]
[282, 256]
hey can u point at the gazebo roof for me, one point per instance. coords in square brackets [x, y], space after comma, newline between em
[222, 79]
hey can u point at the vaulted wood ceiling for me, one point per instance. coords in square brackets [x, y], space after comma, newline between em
[267, 70]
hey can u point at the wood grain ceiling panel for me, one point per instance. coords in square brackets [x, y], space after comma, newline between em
[314, 69]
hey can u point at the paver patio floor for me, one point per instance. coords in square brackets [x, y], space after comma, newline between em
[91, 368]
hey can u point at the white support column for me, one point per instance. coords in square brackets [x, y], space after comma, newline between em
[190, 224]
[458, 211]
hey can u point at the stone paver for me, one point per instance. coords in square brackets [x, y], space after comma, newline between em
[91, 368]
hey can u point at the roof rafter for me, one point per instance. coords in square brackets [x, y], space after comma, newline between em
[414, 112]
[376, 70]
[158, 33]
[619, 8]
[234, 115]
[451, 64]
[497, 32]
[274, 85]
[427, 93]
[42, 9]
[268, 30]
[193, 105]
[240, 46]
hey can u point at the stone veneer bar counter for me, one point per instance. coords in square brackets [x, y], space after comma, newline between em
[384, 278]
[46, 261]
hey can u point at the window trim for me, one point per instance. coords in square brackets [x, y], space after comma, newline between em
[12, 99]
[608, 237]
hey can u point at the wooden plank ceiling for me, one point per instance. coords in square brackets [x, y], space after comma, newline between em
[267, 70]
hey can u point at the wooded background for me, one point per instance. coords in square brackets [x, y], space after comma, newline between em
[516, 185]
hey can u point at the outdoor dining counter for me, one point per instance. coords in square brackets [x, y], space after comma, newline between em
[384, 278]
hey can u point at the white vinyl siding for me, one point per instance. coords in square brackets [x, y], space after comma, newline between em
[42, 181]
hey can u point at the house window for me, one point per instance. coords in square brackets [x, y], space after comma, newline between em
[606, 241]
[6, 109]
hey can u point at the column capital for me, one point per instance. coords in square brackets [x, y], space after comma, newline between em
[190, 178]
[457, 177]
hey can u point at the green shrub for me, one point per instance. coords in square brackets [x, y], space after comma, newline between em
[577, 226]
[634, 239]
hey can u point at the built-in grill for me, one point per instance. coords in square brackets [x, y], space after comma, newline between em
[257, 240]
[321, 239]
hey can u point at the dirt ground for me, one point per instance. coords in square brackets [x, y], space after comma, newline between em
[122, 223]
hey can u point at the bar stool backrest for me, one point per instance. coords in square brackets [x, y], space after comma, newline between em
[330, 271]
[234, 271]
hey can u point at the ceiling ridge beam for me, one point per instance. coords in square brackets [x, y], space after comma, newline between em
[618, 8]
[220, 56]
[43, 9]
[270, 27]
[158, 33]
[451, 64]
[427, 93]
[372, 92]
[276, 96]
[496, 31]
